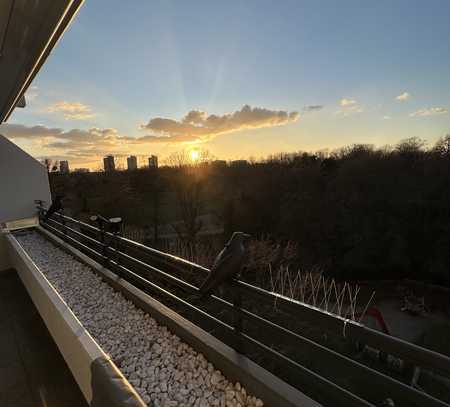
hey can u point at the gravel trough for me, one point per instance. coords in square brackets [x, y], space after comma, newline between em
[163, 370]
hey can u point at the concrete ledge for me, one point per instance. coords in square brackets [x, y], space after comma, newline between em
[272, 390]
[75, 344]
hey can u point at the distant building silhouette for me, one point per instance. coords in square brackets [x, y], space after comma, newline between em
[108, 163]
[239, 163]
[132, 162]
[219, 163]
[81, 170]
[64, 167]
[153, 161]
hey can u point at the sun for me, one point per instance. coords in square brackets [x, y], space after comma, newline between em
[194, 155]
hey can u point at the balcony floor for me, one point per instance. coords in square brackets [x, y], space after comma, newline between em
[33, 373]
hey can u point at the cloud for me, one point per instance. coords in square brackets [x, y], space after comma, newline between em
[403, 97]
[313, 108]
[386, 117]
[31, 93]
[93, 142]
[87, 145]
[429, 111]
[349, 107]
[72, 110]
[199, 126]
[19, 131]
[347, 102]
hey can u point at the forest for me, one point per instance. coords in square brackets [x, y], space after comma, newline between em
[357, 213]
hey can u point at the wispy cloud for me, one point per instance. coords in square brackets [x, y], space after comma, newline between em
[349, 107]
[403, 97]
[313, 108]
[347, 102]
[386, 117]
[72, 110]
[31, 93]
[199, 126]
[429, 111]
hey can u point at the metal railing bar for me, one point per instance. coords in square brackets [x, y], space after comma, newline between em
[358, 332]
[364, 373]
[347, 328]
[76, 232]
[73, 241]
[382, 380]
[370, 374]
[321, 384]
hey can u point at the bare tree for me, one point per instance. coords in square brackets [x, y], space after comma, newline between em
[442, 146]
[188, 185]
[51, 165]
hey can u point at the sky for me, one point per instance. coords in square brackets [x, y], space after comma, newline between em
[244, 78]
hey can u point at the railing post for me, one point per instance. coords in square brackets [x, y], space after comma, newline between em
[237, 318]
[104, 246]
[116, 248]
[63, 221]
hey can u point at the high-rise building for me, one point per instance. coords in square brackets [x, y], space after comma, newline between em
[239, 163]
[219, 163]
[64, 167]
[108, 163]
[153, 161]
[132, 162]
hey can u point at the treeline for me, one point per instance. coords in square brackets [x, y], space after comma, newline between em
[358, 213]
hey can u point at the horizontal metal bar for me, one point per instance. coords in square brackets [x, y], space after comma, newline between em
[385, 385]
[341, 326]
[308, 379]
[358, 332]
[76, 232]
[74, 242]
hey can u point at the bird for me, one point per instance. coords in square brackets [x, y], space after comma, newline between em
[54, 207]
[227, 263]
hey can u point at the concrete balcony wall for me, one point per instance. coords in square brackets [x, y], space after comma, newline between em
[22, 181]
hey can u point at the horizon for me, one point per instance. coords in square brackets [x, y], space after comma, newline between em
[239, 80]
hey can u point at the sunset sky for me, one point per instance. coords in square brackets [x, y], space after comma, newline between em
[239, 78]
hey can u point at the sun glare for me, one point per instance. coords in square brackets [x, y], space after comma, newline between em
[194, 155]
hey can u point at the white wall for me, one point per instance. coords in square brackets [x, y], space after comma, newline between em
[22, 180]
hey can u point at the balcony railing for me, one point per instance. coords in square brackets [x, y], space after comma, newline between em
[259, 335]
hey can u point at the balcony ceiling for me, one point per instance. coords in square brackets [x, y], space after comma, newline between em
[29, 29]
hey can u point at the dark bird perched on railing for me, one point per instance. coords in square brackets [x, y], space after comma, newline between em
[227, 264]
[54, 207]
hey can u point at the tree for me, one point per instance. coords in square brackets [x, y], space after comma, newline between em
[188, 182]
[442, 146]
[51, 165]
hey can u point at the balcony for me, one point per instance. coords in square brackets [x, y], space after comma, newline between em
[91, 318]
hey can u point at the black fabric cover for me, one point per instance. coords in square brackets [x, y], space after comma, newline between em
[110, 388]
